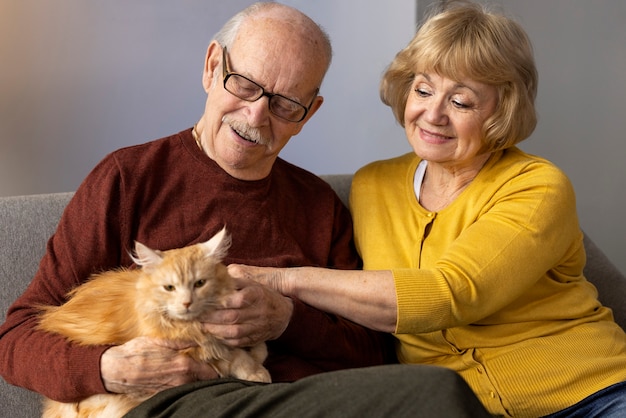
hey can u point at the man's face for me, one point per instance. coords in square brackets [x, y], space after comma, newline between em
[244, 137]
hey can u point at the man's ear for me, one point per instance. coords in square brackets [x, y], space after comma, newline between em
[317, 103]
[211, 61]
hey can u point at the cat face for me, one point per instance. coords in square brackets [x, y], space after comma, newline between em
[184, 283]
[186, 290]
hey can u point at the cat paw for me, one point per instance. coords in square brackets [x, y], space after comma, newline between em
[261, 375]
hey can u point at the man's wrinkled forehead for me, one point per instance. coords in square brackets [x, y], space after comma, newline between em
[283, 40]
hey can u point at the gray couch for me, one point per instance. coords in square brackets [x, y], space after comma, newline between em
[26, 222]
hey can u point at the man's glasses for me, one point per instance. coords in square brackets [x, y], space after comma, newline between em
[246, 89]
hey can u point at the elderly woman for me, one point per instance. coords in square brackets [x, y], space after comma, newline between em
[473, 255]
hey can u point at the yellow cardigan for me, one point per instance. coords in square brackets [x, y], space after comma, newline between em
[492, 285]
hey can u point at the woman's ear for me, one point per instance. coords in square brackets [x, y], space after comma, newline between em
[211, 61]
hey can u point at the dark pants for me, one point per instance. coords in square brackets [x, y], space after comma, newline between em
[384, 391]
[606, 403]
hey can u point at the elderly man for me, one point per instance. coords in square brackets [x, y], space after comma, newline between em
[262, 75]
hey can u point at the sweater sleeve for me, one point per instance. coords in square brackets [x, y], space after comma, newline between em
[82, 243]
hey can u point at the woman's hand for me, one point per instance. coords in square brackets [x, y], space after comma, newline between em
[275, 278]
[365, 297]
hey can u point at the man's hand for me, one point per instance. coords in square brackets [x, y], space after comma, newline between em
[253, 314]
[144, 366]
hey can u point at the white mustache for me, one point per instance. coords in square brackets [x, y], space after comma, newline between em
[246, 131]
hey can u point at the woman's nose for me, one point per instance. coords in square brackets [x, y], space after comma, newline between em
[436, 113]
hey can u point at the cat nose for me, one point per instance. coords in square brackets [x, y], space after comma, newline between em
[186, 305]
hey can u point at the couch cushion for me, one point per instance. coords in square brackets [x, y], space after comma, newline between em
[26, 223]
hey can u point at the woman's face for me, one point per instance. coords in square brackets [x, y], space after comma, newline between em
[444, 118]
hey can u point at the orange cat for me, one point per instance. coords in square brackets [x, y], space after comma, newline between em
[163, 299]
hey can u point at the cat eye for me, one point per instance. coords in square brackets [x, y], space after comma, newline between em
[169, 287]
[199, 283]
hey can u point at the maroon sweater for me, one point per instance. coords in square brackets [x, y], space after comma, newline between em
[168, 194]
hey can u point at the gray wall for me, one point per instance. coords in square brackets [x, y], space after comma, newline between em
[580, 49]
[80, 78]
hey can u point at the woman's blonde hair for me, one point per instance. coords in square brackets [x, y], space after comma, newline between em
[465, 40]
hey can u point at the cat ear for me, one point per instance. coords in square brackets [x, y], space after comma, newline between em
[218, 245]
[146, 257]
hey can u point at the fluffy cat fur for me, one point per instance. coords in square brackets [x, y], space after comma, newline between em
[163, 299]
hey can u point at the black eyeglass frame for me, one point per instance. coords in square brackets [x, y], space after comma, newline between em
[227, 74]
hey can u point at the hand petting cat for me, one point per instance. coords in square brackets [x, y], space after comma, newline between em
[253, 314]
[318, 287]
[273, 277]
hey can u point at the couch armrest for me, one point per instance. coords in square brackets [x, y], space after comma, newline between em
[608, 279]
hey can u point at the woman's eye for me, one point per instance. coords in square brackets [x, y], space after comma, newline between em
[460, 105]
[422, 92]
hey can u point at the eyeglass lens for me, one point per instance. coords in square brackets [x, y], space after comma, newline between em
[246, 89]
